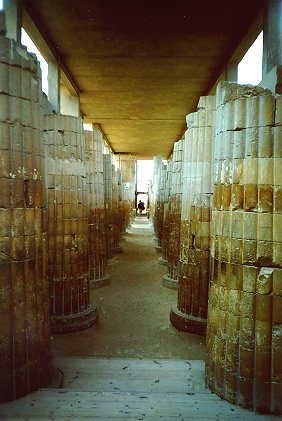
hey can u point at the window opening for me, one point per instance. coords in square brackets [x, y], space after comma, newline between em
[31, 47]
[145, 170]
[250, 67]
[88, 127]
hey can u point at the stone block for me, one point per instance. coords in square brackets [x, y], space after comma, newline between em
[249, 221]
[239, 119]
[263, 328]
[265, 227]
[247, 309]
[246, 368]
[277, 171]
[265, 171]
[250, 171]
[264, 281]
[277, 281]
[265, 198]
[251, 146]
[277, 141]
[278, 111]
[265, 142]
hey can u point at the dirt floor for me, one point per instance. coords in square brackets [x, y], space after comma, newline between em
[134, 309]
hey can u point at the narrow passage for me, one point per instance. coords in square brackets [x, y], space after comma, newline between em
[134, 309]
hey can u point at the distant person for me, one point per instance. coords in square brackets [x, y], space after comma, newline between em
[141, 207]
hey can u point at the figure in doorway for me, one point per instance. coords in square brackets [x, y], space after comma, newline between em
[141, 207]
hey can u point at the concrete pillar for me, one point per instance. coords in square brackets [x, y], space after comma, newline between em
[272, 36]
[13, 19]
[69, 103]
[54, 75]
[231, 72]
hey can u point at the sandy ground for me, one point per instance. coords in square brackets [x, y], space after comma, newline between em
[134, 309]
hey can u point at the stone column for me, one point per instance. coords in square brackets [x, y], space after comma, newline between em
[68, 254]
[24, 297]
[96, 211]
[173, 216]
[127, 165]
[244, 331]
[157, 211]
[163, 214]
[108, 200]
[193, 274]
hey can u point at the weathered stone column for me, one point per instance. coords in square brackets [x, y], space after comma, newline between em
[96, 210]
[244, 332]
[173, 217]
[68, 254]
[193, 275]
[24, 295]
[127, 167]
[116, 209]
[160, 179]
[108, 200]
[163, 215]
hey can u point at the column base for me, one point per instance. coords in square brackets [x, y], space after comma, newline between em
[100, 282]
[169, 282]
[74, 322]
[163, 261]
[187, 323]
[158, 249]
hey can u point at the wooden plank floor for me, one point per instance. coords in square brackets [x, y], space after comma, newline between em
[126, 389]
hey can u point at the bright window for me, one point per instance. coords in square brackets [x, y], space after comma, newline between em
[31, 47]
[145, 170]
[250, 67]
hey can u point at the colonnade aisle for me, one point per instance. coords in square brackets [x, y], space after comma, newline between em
[133, 309]
[133, 365]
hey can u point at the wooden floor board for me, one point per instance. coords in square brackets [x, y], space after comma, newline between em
[112, 389]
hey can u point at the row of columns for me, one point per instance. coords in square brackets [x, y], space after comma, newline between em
[230, 265]
[61, 217]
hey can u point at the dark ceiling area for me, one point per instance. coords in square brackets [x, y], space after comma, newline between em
[141, 66]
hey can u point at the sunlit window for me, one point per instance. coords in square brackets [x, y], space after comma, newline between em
[88, 127]
[145, 170]
[1, 4]
[250, 68]
[31, 47]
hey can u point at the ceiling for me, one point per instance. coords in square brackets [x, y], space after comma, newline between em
[141, 66]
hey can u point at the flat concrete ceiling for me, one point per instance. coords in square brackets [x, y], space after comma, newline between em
[141, 66]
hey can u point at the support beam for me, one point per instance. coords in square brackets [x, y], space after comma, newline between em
[272, 36]
[231, 72]
[54, 85]
[13, 19]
